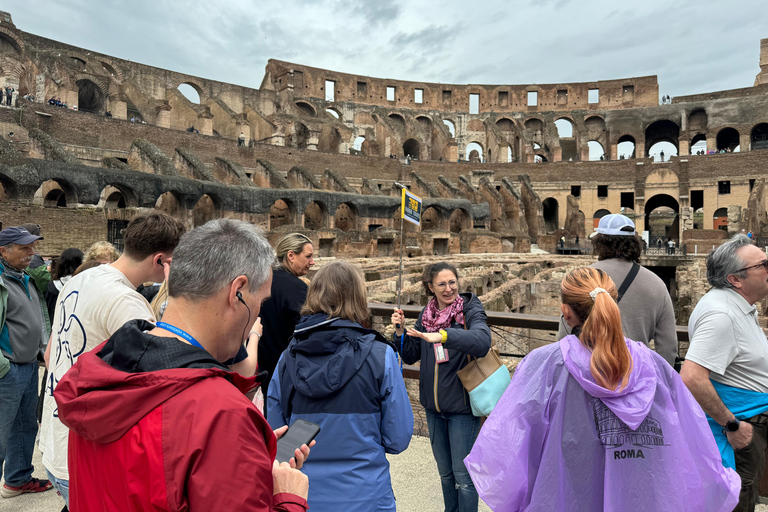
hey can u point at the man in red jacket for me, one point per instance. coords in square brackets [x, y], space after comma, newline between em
[156, 420]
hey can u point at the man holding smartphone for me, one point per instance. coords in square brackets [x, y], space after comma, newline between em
[157, 419]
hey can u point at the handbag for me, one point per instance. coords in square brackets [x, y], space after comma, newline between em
[485, 379]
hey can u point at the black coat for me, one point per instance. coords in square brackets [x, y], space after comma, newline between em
[449, 395]
[279, 316]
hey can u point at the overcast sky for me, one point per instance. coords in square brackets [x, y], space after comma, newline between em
[703, 46]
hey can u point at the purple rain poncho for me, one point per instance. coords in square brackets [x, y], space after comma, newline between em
[557, 441]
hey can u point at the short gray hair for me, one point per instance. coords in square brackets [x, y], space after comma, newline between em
[723, 262]
[211, 256]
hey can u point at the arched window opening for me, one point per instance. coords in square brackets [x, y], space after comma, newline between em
[720, 219]
[333, 113]
[626, 147]
[551, 214]
[599, 214]
[190, 92]
[728, 140]
[662, 151]
[699, 144]
[167, 203]
[314, 216]
[458, 221]
[398, 120]
[411, 149]
[451, 127]
[299, 137]
[280, 214]
[305, 109]
[204, 210]
[115, 200]
[662, 219]
[663, 131]
[505, 125]
[431, 219]
[345, 217]
[474, 152]
[425, 123]
[89, 96]
[596, 151]
[564, 128]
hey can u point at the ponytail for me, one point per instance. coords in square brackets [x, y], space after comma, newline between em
[611, 362]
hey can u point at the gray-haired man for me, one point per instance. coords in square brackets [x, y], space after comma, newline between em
[726, 368]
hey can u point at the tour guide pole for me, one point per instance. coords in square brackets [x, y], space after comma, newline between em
[410, 210]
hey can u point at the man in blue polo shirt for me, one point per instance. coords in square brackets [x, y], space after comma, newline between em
[22, 336]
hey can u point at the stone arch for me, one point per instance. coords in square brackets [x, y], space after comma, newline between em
[167, 202]
[759, 137]
[316, 215]
[720, 219]
[111, 68]
[551, 214]
[425, 123]
[306, 109]
[361, 146]
[662, 130]
[596, 150]
[431, 219]
[8, 188]
[668, 231]
[569, 142]
[459, 220]
[412, 147]
[599, 214]
[55, 192]
[474, 152]
[117, 196]
[728, 139]
[192, 82]
[451, 127]
[345, 217]
[626, 147]
[205, 210]
[505, 124]
[398, 120]
[281, 213]
[329, 140]
[90, 97]
[698, 143]
[12, 39]
[333, 112]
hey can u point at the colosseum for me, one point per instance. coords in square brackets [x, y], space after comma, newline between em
[513, 174]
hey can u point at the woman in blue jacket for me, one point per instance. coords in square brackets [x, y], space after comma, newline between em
[345, 378]
[449, 329]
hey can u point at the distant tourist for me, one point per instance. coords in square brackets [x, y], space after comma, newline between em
[241, 139]
[9, 95]
[749, 235]
[671, 245]
[108, 114]
[662, 155]
[133, 119]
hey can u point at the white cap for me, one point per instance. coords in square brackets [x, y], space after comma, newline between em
[612, 225]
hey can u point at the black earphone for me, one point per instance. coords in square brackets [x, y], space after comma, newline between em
[240, 298]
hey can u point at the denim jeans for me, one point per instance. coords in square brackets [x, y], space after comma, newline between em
[18, 422]
[452, 437]
[62, 486]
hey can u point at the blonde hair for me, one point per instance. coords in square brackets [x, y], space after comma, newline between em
[160, 300]
[291, 242]
[101, 251]
[611, 362]
[338, 290]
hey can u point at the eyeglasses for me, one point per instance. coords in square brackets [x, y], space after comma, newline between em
[449, 284]
[763, 264]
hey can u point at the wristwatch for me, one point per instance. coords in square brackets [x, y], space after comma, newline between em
[733, 425]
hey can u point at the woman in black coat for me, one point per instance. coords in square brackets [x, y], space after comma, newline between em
[451, 327]
[280, 313]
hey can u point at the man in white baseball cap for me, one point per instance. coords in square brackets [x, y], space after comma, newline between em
[646, 307]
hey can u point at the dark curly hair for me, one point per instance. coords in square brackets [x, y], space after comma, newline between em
[606, 247]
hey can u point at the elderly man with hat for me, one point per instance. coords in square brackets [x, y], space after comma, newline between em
[22, 336]
[646, 307]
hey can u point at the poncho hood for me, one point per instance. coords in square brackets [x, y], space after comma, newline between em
[632, 403]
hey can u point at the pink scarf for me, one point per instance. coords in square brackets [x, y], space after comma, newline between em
[433, 319]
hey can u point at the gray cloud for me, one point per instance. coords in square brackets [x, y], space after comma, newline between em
[494, 42]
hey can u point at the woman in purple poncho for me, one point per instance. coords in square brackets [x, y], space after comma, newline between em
[598, 422]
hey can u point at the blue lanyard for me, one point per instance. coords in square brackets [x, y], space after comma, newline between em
[178, 332]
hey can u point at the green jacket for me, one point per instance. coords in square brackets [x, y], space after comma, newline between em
[40, 276]
[5, 365]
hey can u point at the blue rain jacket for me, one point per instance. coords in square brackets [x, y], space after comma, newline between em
[345, 378]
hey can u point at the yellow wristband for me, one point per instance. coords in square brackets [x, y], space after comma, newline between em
[444, 335]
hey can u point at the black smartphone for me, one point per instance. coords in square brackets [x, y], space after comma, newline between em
[301, 432]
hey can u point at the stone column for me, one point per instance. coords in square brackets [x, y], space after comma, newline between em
[557, 154]
[734, 219]
[712, 143]
[314, 138]
[205, 121]
[745, 139]
[118, 108]
[614, 151]
[684, 148]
